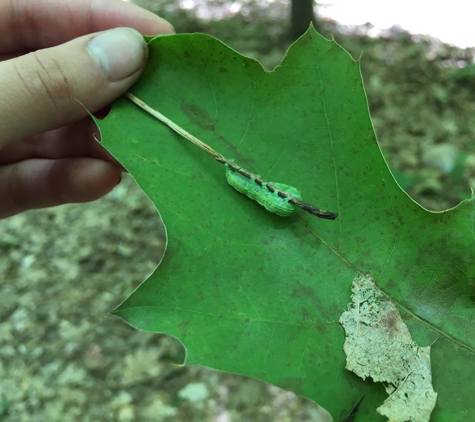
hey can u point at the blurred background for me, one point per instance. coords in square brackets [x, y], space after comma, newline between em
[62, 269]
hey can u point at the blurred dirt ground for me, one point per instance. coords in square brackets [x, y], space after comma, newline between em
[63, 359]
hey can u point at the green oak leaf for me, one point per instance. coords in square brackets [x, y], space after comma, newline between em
[249, 292]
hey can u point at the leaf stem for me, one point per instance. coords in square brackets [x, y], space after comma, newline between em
[220, 158]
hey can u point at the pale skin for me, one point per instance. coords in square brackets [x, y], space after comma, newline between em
[49, 58]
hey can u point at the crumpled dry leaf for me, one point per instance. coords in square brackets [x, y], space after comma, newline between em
[379, 345]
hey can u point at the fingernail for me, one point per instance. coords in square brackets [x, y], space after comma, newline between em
[120, 52]
[120, 177]
[166, 27]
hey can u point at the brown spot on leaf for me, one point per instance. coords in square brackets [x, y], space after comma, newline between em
[198, 116]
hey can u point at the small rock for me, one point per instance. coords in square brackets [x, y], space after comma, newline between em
[442, 156]
[194, 392]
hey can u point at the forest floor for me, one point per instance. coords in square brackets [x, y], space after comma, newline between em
[62, 269]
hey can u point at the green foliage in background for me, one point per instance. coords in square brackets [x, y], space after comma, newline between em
[249, 292]
[421, 102]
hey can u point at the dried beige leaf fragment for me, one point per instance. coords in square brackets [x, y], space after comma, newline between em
[378, 345]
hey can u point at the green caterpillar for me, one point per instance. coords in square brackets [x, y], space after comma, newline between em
[271, 201]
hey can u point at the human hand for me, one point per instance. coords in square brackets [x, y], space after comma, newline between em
[48, 155]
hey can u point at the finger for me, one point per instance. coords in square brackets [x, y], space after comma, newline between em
[75, 140]
[33, 24]
[46, 183]
[40, 90]
[12, 55]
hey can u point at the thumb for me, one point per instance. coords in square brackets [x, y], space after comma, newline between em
[39, 90]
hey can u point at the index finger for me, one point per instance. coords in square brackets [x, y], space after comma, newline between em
[34, 24]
